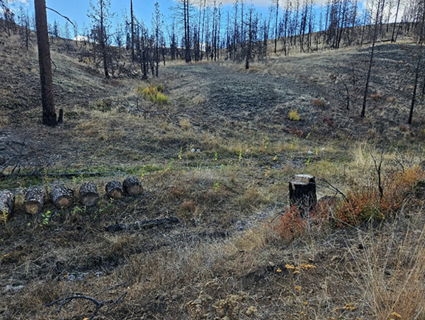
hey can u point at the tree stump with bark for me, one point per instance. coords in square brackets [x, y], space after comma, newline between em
[302, 192]
[132, 186]
[34, 200]
[62, 197]
[88, 194]
[7, 202]
[114, 190]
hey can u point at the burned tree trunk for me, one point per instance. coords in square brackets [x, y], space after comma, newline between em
[46, 79]
[34, 200]
[132, 186]
[114, 190]
[88, 194]
[62, 197]
[302, 192]
[7, 202]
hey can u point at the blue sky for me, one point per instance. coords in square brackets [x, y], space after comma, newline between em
[77, 9]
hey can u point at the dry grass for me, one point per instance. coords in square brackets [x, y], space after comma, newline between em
[392, 268]
[225, 259]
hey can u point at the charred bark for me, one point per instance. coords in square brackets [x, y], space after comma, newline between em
[88, 194]
[34, 200]
[62, 197]
[302, 192]
[46, 80]
[7, 203]
[114, 190]
[132, 186]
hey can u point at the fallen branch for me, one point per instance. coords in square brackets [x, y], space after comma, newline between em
[55, 174]
[147, 224]
[98, 304]
[330, 186]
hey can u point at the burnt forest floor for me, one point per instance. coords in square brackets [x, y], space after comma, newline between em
[218, 157]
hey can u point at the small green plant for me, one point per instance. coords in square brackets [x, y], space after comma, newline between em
[240, 155]
[266, 142]
[46, 181]
[169, 165]
[142, 175]
[294, 142]
[215, 156]
[216, 186]
[160, 88]
[45, 218]
[78, 210]
[294, 116]
[5, 216]
[180, 153]
[153, 93]
[308, 161]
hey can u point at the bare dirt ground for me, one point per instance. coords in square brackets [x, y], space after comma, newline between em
[223, 260]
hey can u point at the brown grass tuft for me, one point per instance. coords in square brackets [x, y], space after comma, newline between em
[318, 102]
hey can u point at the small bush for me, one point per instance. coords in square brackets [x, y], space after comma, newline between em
[294, 116]
[153, 93]
[291, 224]
[365, 203]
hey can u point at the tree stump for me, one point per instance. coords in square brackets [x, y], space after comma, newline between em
[88, 194]
[114, 190]
[62, 197]
[302, 192]
[34, 200]
[7, 202]
[132, 186]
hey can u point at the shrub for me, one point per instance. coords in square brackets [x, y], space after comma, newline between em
[365, 203]
[153, 93]
[294, 116]
[290, 224]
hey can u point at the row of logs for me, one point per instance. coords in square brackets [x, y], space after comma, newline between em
[63, 197]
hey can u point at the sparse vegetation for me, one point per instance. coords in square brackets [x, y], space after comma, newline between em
[218, 159]
[294, 116]
[154, 94]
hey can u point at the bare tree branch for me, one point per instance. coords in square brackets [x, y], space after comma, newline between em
[98, 304]
[61, 16]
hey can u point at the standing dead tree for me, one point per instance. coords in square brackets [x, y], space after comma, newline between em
[369, 71]
[46, 79]
[100, 17]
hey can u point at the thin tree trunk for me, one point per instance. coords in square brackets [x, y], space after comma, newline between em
[46, 79]
[132, 31]
[412, 106]
[362, 114]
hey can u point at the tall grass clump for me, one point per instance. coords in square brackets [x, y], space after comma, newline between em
[393, 273]
[153, 93]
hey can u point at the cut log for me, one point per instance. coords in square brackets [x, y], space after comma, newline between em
[88, 194]
[34, 200]
[114, 190]
[132, 186]
[7, 202]
[62, 197]
[302, 192]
